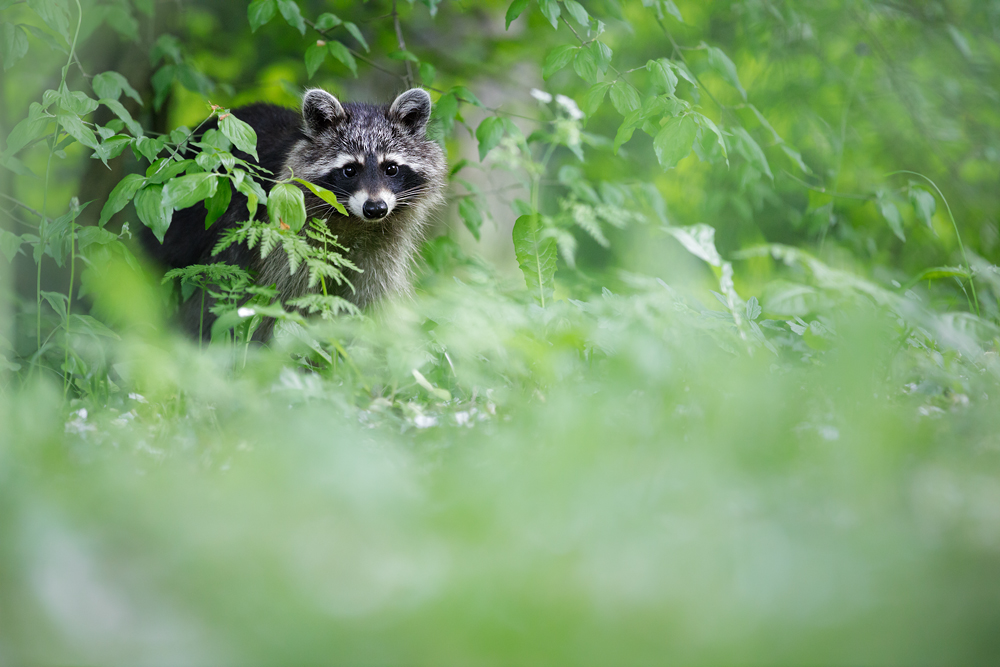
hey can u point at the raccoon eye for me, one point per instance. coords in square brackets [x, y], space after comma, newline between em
[391, 170]
[350, 171]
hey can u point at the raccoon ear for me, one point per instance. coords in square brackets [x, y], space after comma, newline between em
[320, 110]
[412, 110]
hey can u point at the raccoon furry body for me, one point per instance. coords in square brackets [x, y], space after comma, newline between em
[375, 158]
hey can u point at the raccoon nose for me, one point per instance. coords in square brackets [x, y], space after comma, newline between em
[375, 209]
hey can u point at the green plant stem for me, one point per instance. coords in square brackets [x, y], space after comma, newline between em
[201, 320]
[958, 235]
[69, 299]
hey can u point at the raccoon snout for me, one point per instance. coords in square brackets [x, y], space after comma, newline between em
[374, 210]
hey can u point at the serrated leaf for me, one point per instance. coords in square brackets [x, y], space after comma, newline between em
[185, 191]
[340, 52]
[260, 12]
[14, 46]
[218, 203]
[472, 217]
[290, 11]
[624, 98]
[488, 134]
[720, 62]
[576, 10]
[536, 255]
[585, 65]
[356, 34]
[286, 204]
[514, 10]
[323, 194]
[151, 211]
[674, 141]
[557, 59]
[315, 55]
[594, 97]
[550, 9]
[240, 133]
[924, 205]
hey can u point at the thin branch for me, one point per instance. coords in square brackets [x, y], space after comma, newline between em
[823, 190]
[21, 204]
[402, 44]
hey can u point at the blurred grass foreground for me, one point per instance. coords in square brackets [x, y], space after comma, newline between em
[701, 366]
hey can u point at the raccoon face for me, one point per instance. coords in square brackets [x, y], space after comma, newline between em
[374, 158]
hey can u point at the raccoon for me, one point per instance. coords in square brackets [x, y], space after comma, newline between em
[378, 162]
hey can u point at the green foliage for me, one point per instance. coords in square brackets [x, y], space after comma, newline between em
[700, 364]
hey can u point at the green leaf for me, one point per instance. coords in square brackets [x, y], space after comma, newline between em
[515, 10]
[186, 191]
[427, 74]
[550, 8]
[468, 210]
[315, 55]
[218, 203]
[162, 81]
[585, 65]
[286, 204]
[464, 94]
[576, 10]
[356, 34]
[77, 102]
[403, 54]
[536, 255]
[924, 205]
[10, 244]
[290, 11]
[76, 129]
[240, 133]
[489, 133]
[340, 52]
[891, 214]
[27, 130]
[149, 148]
[327, 21]
[699, 240]
[120, 196]
[14, 44]
[55, 13]
[707, 122]
[112, 147]
[721, 63]
[110, 85]
[663, 75]
[672, 10]
[149, 206]
[260, 12]
[557, 59]
[445, 110]
[752, 152]
[602, 55]
[323, 194]
[119, 110]
[594, 97]
[624, 98]
[674, 141]
[623, 135]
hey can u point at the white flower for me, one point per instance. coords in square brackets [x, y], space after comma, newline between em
[424, 421]
[570, 106]
[541, 95]
[246, 312]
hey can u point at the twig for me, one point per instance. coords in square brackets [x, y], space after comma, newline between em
[402, 44]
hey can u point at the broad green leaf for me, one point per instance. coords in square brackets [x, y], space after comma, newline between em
[663, 75]
[55, 13]
[240, 133]
[315, 55]
[558, 58]
[427, 74]
[327, 21]
[403, 54]
[151, 211]
[290, 11]
[514, 10]
[149, 148]
[77, 102]
[550, 8]
[121, 21]
[576, 10]
[891, 214]
[595, 96]
[340, 52]
[585, 65]
[488, 134]
[707, 122]
[112, 147]
[672, 10]
[185, 191]
[120, 196]
[260, 12]
[536, 255]
[88, 236]
[356, 34]
[796, 157]
[10, 244]
[76, 129]
[323, 194]
[27, 130]
[14, 46]
[721, 63]
[464, 94]
[119, 110]
[623, 135]
[699, 240]
[218, 203]
[939, 272]
[286, 205]
[624, 98]
[468, 210]
[445, 110]
[752, 151]
[602, 55]
[924, 205]
[162, 80]
[110, 85]
[674, 141]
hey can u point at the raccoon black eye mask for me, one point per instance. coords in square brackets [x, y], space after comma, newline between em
[375, 158]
